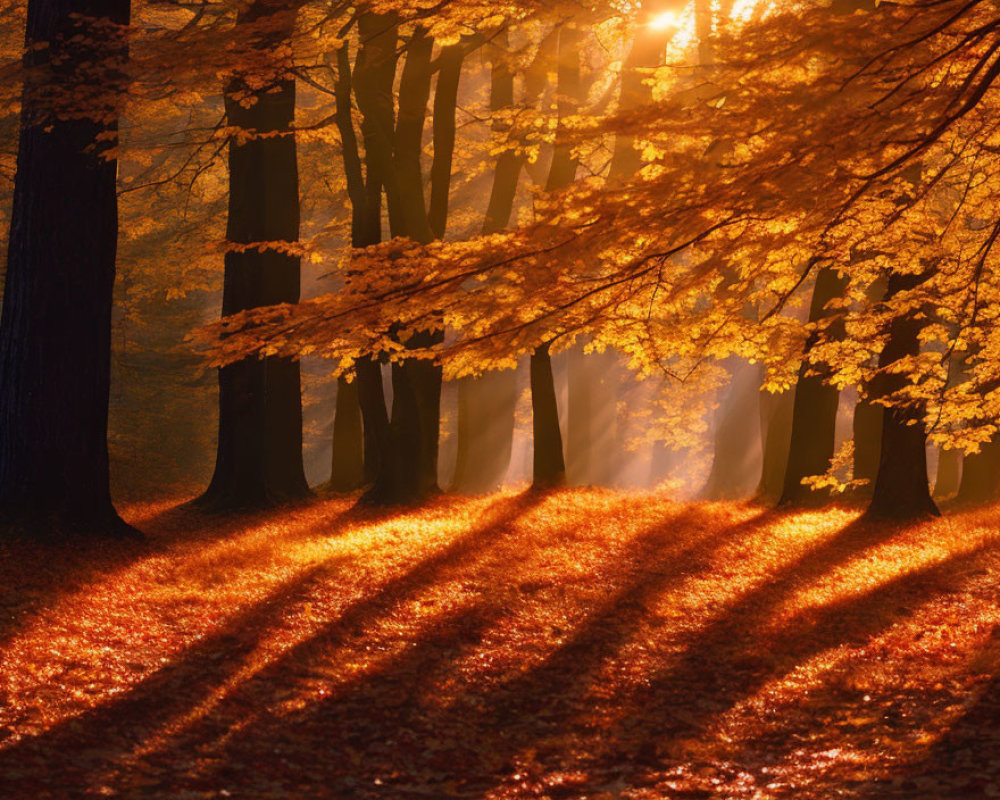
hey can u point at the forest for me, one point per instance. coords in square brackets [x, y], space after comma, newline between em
[549, 399]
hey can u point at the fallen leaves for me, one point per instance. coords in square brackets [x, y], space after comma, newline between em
[574, 645]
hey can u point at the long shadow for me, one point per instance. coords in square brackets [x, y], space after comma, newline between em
[117, 727]
[37, 573]
[962, 763]
[141, 715]
[495, 723]
[729, 660]
[382, 734]
[476, 738]
[40, 573]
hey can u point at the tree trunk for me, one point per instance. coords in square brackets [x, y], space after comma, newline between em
[981, 475]
[55, 333]
[901, 489]
[949, 473]
[867, 431]
[372, 82]
[409, 464]
[349, 465]
[735, 467]
[259, 460]
[347, 471]
[548, 466]
[814, 413]
[776, 429]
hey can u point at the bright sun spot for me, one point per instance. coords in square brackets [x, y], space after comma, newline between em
[665, 21]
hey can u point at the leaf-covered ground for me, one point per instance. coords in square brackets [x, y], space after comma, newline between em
[576, 645]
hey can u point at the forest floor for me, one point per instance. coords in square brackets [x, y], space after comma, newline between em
[583, 644]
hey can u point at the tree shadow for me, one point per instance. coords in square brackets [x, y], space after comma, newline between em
[102, 745]
[367, 706]
[388, 717]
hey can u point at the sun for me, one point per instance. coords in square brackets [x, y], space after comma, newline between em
[665, 20]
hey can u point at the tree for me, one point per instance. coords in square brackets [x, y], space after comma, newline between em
[901, 490]
[259, 458]
[549, 465]
[773, 176]
[55, 332]
[814, 411]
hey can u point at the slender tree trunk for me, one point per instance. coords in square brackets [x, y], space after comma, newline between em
[347, 471]
[814, 413]
[549, 463]
[259, 460]
[409, 464]
[55, 332]
[548, 466]
[776, 434]
[348, 463]
[372, 82]
[981, 475]
[901, 489]
[949, 473]
[735, 468]
[867, 431]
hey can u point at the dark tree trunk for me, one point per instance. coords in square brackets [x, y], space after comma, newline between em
[867, 431]
[349, 465]
[486, 404]
[55, 334]
[949, 473]
[981, 475]
[409, 463]
[901, 488]
[347, 471]
[776, 435]
[372, 82]
[548, 466]
[735, 466]
[814, 412]
[259, 460]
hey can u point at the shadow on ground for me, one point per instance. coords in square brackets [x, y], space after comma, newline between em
[582, 644]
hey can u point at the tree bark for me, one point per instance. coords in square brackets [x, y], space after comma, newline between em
[372, 83]
[548, 466]
[55, 332]
[901, 489]
[549, 462]
[814, 413]
[776, 434]
[347, 471]
[867, 432]
[259, 459]
[949, 473]
[409, 463]
[981, 475]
